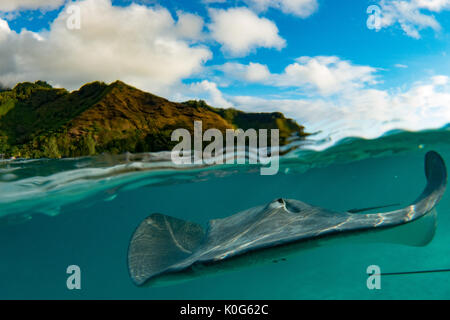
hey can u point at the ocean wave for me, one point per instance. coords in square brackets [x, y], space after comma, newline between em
[47, 185]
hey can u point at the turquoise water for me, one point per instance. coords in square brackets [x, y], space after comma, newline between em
[56, 213]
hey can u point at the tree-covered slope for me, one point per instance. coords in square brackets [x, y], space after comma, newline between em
[37, 120]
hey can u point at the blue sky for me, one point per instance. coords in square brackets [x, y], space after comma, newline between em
[315, 60]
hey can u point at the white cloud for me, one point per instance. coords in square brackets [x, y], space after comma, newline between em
[240, 31]
[412, 15]
[367, 113]
[148, 48]
[327, 74]
[323, 74]
[13, 5]
[4, 29]
[440, 80]
[433, 5]
[338, 98]
[253, 72]
[300, 8]
[190, 26]
[207, 91]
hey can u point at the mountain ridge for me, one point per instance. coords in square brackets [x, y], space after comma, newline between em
[37, 120]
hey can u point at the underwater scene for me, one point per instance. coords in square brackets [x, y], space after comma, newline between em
[57, 213]
[203, 150]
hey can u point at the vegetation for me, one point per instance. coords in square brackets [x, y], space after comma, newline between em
[37, 120]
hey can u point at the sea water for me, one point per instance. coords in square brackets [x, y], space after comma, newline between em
[83, 212]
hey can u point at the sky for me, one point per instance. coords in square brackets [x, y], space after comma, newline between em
[345, 68]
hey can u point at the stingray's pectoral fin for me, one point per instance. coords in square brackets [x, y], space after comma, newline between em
[416, 223]
[358, 210]
[422, 212]
[436, 174]
[160, 242]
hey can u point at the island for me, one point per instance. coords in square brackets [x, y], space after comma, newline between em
[40, 121]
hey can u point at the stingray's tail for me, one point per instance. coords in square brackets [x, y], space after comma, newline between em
[159, 242]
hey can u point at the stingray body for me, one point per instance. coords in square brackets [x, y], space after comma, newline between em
[164, 249]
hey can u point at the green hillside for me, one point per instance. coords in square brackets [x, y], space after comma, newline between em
[38, 121]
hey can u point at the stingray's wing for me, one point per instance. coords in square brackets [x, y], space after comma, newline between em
[436, 174]
[158, 243]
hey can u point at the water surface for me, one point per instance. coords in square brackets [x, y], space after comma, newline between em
[56, 213]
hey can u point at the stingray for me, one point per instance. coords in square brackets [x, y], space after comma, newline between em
[165, 249]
